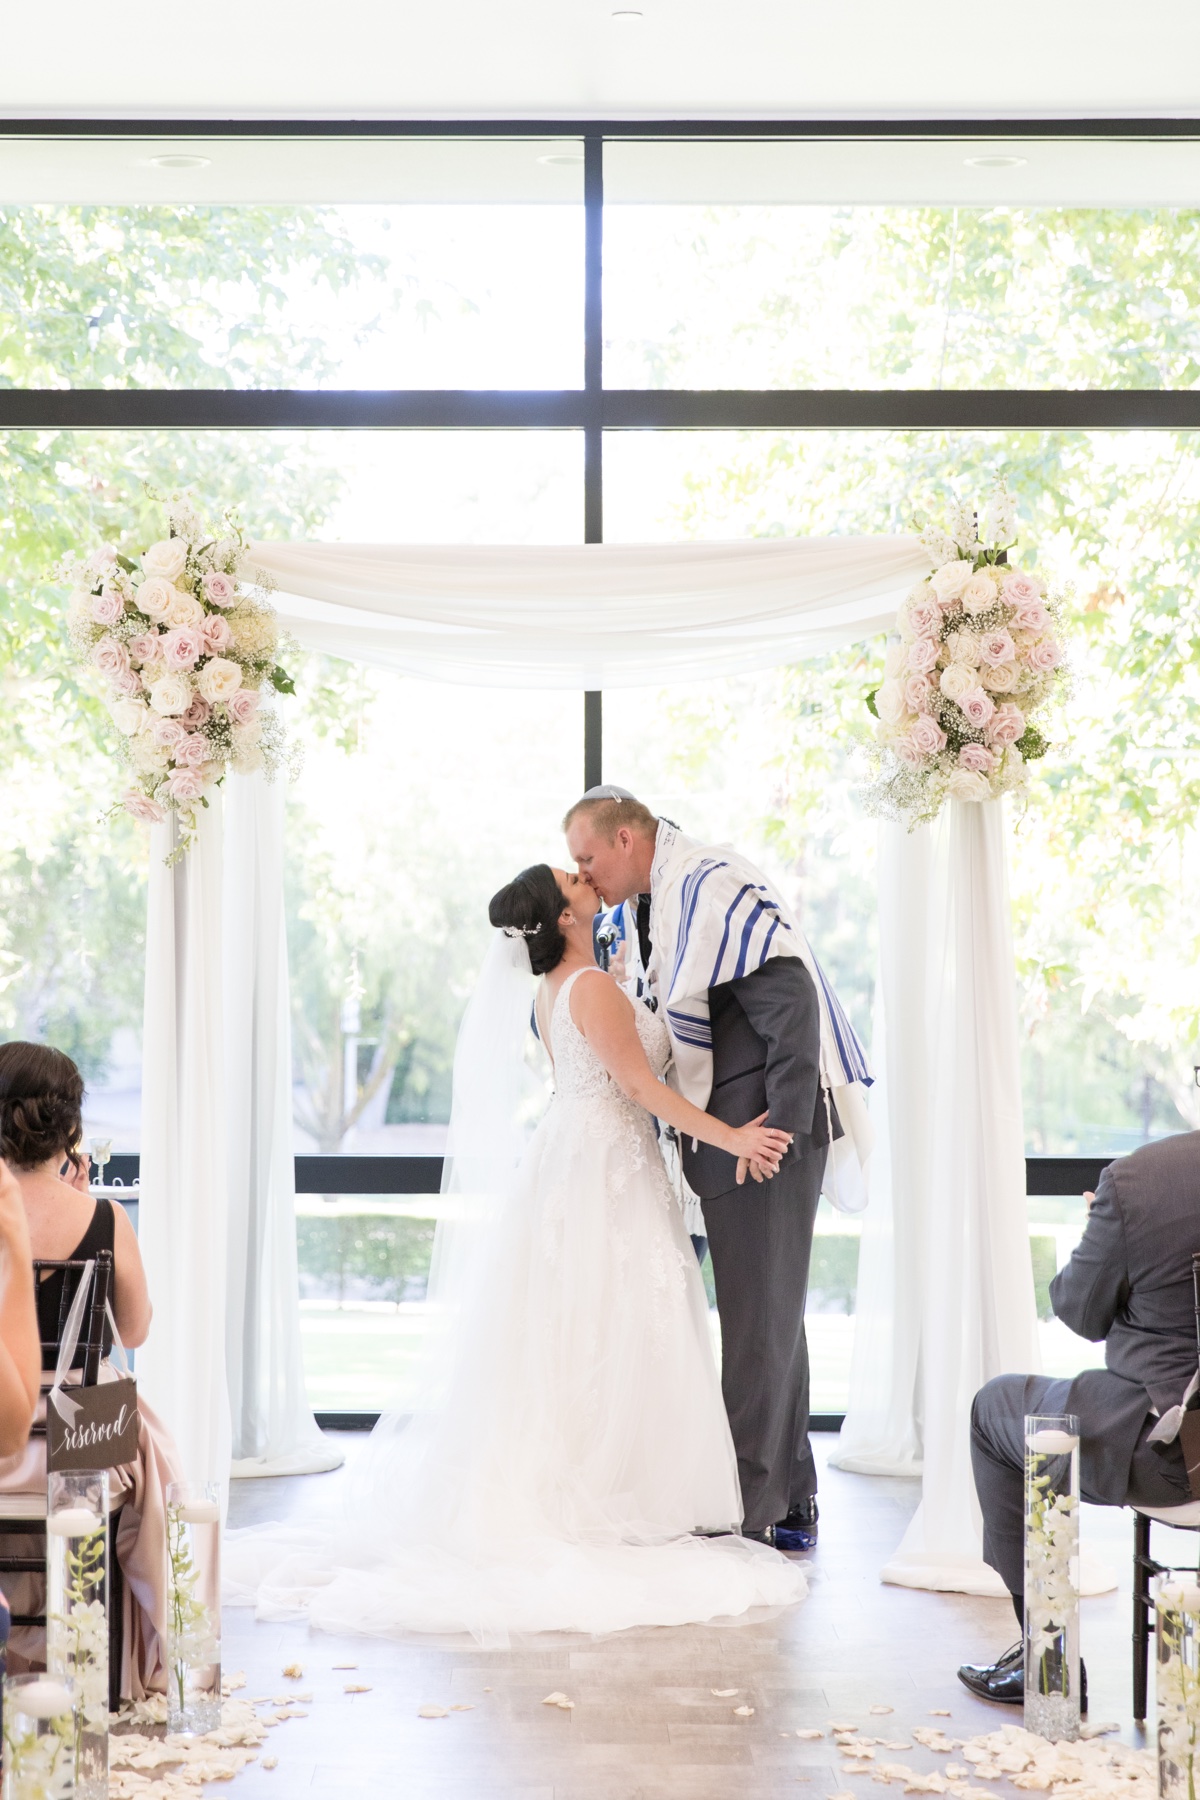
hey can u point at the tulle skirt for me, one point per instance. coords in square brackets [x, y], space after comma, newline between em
[576, 1442]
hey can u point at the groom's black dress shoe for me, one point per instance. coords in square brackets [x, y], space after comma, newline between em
[799, 1530]
[761, 1537]
[1004, 1681]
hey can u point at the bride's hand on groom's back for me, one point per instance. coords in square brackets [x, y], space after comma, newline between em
[759, 1147]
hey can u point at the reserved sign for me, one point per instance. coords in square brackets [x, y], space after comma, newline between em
[103, 1431]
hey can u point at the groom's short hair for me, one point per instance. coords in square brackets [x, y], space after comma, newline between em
[607, 815]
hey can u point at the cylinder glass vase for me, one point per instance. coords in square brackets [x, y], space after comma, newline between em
[39, 1738]
[77, 1614]
[193, 1606]
[1052, 1576]
[1177, 1680]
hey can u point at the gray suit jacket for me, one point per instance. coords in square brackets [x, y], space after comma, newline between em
[1130, 1278]
[766, 1042]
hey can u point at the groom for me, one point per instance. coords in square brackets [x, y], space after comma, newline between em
[753, 1028]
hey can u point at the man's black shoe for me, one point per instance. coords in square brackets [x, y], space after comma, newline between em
[761, 1537]
[799, 1530]
[1004, 1681]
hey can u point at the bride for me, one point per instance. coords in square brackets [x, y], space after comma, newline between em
[569, 1464]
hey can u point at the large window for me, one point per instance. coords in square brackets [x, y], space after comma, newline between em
[523, 338]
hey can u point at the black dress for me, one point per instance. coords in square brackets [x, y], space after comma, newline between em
[56, 1291]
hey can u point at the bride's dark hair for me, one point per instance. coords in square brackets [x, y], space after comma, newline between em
[531, 904]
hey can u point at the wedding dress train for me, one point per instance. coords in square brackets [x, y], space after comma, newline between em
[581, 1437]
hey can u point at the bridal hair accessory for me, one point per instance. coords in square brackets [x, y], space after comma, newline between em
[521, 931]
[974, 665]
[188, 655]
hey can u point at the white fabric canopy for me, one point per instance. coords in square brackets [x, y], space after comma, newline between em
[588, 615]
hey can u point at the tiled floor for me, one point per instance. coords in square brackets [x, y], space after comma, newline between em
[646, 1722]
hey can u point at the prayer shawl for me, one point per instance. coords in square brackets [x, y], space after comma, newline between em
[714, 917]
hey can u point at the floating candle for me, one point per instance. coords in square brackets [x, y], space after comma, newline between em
[198, 1512]
[40, 1699]
[73, 1521]
[1052, 1443]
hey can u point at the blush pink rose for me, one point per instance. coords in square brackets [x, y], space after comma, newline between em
[977, 756]
[917, 690]
[185, 784]
[182, 648]
[927, 736]
[996, 647]
[146, 648]
[977, 707]
[143, 807]
[192, 750]
[220, 590]
[908, 753]
[1043, 655]
[924, 616]
[1007, 725]
[1019, 590]
[217, 633]
[111, 657]
[1031, 615]
[243, 706]
[129, 682]
[198, 713]
[168, 734]
[922, 656]
[107, 606]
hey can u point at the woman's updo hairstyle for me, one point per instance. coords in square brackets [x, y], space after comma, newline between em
[41, 1104]
[531, 905]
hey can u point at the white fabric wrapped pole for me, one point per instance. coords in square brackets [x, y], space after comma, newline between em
[274, 1432]
[184, 1174]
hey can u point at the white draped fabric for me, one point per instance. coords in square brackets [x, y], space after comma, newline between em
[950, 1269]
[274, 1432]
[588, 615]
[182, 1222]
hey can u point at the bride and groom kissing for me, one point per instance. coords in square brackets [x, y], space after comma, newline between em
[575, 1462]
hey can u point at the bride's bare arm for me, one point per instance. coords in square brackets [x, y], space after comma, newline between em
[605, 1017]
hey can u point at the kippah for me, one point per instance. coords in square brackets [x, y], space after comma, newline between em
[608, 792]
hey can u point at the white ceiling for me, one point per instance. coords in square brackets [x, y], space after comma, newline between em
[570, 59]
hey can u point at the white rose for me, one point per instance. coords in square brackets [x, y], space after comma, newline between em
[218, 679]
[154, 597]
[1000, 681]
[956, 681]
[949, 581]
[128, 716]
[171, 694]
[148, 756]
[167, 559]
[895, 661]
[978, 595]
[889, 702]
[969, 784]
[964, 648]
[183, 610]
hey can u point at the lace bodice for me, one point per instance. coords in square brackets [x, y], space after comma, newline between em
[578, 1071]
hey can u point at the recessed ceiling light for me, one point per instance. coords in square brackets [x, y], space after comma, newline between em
[562, 159]
[628, 15]
[180, 162]
[995, 162]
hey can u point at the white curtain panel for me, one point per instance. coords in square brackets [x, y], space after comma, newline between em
[274, 1432]
[588, 615]
[184, 1172]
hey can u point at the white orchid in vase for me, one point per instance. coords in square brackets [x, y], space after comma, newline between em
[976, 659]
[187, 654]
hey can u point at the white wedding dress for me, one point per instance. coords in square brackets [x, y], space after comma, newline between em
[581, 1437]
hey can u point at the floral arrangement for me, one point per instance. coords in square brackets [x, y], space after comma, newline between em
[77, 1646]
[1051, 1583]
[1177, 1635]
[186, 653]
[967, 680]
[193, 1638]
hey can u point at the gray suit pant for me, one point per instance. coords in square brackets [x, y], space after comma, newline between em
[1157, 1476]
[760, 1241]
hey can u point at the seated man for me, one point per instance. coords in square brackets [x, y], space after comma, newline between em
[1129, 1283]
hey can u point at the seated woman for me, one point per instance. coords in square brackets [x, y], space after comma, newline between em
[41, 1099]
[20, 1351]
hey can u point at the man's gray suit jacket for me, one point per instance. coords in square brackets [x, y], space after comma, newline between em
[1129, 1283]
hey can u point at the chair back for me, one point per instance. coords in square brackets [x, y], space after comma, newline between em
[95, 1310]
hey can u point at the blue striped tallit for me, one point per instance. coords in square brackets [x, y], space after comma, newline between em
[715, 918]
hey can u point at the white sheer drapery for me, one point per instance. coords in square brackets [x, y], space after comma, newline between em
[588, 615]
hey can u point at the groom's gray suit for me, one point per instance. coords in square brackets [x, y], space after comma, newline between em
[1129, 1282]
[766, 1058]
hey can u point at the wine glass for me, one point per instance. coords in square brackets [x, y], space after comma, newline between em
[100, 1151]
